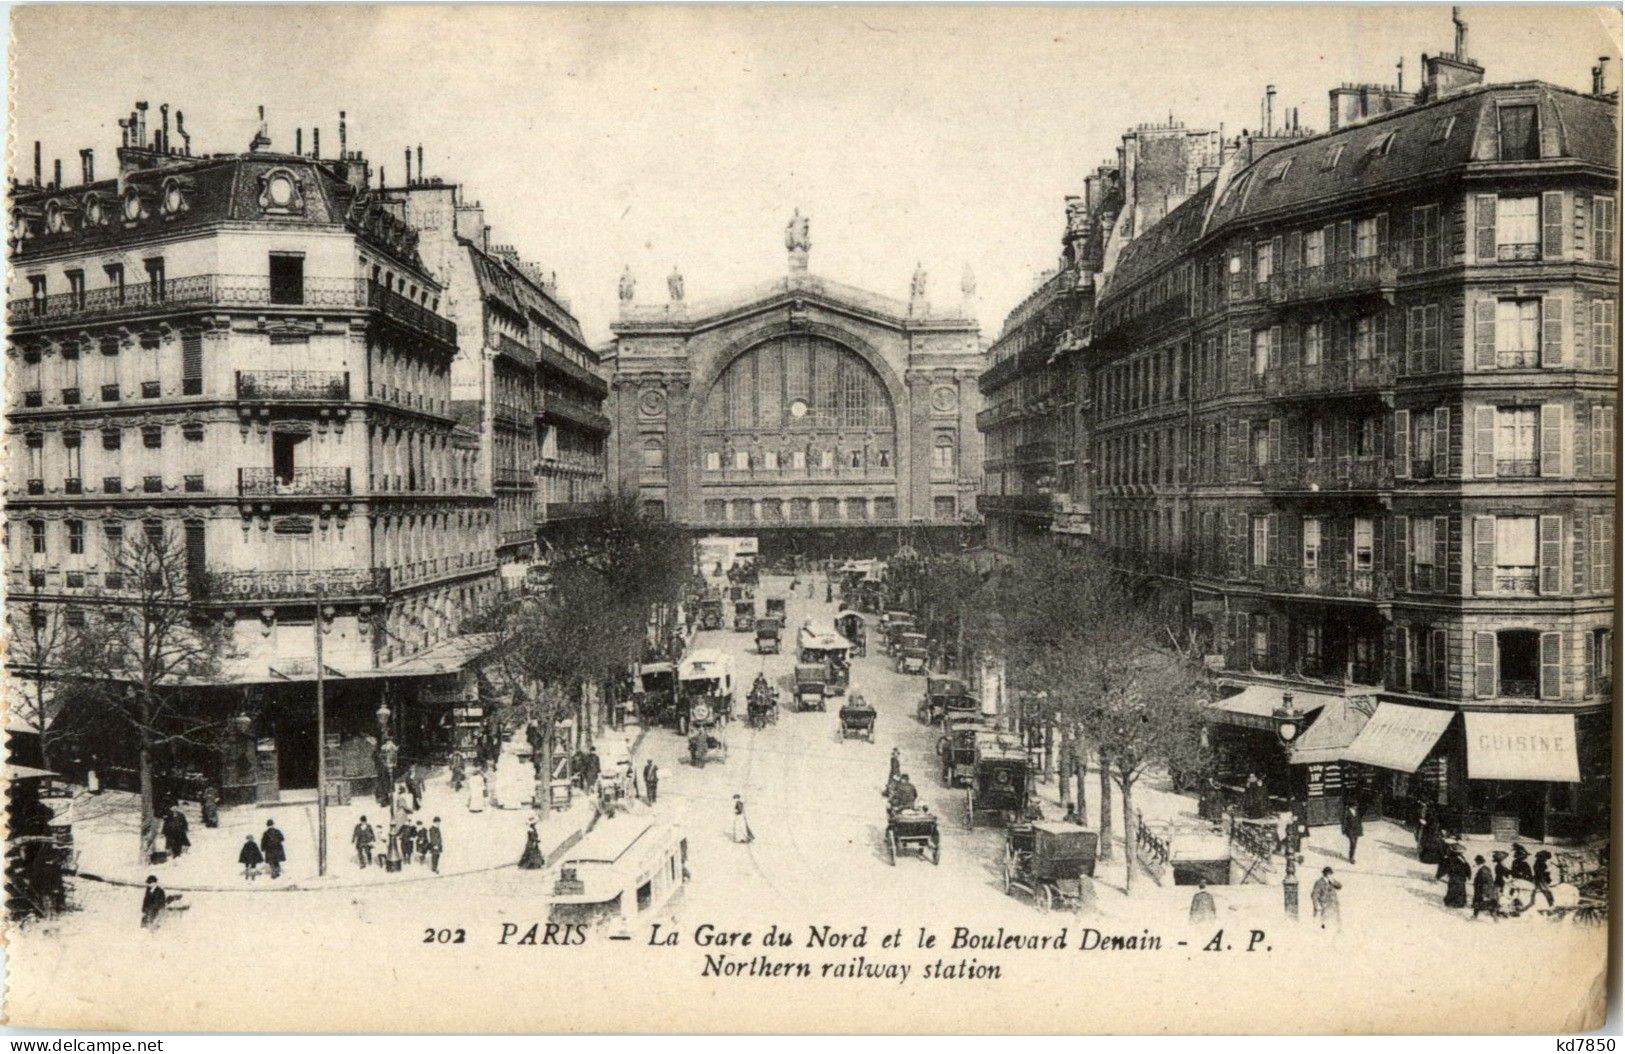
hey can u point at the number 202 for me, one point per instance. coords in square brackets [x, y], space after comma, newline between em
[434, 936]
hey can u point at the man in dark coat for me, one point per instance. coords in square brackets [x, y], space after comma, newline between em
[175, 837]
[250, 857]
[1353, 828]
[1458, 872]
[423, 842]
[433, 844]
[651, 780]
[271, 844]
[362, 839]
[153, 903]
[406, 839]
[1202, 907]
[1252, 797]
[1484, 898]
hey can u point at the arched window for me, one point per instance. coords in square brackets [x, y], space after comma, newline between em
[942, 454]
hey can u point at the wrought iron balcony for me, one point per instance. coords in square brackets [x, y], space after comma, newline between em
[516, 350]
[299, 482]
[1333, 474]
[1326, 378]
[507, 475]
[518, 536]
[1517, 252]
[563, 366]
[1027, 503]
[1330, 579]
[1356, 276]
[1517, 467]
[298, 585]
[1517, 581]
[1037, 450]
[411, 314]
[293, 385]
[562, 411]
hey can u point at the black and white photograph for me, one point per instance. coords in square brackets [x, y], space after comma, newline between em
[783, 519]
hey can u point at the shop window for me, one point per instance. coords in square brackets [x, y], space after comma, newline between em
[1518, 663]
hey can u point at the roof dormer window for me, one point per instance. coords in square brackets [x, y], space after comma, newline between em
[1443, 127]
[1519, 126]
[1278, 173]
[1378, 147]
[1334, 154]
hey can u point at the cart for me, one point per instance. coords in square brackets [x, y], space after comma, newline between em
[999, 778]
[768, 634]
[850, 625]
[913, 830]
[912, 656]
[744, 616]
[810, 683]
[1047, 861]
[857, 719]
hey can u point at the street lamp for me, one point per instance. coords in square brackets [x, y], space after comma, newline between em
[382, 714]
[1288, 724]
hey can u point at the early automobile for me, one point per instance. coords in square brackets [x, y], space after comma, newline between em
[890, 618]
[956, 750]
[857, 718]
[912, 655]
[913, 830]
[850, 625]
[830, 648]
[657, 693]
[707, 740]
[768, 633]
[900, 622]
[938, 692]
[706, 675]
[999, 780]
[711, 613]
[625, 868]
[809, 685]
[744, 616]
[1047, 861]
[776, 609]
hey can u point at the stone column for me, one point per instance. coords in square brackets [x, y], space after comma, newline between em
[624, 458]
[680, 453]
[916, 501]
[970, 441]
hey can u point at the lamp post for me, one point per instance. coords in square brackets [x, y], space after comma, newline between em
[1288, 723]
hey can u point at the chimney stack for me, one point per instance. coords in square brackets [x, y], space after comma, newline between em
[39, 172]
[316, 143]
[343, 139]
[163, 112]
[420, 161]
[1269, 109]
[56, 181]
[180, 130]
[1599, 76]
[87, 165]
[1399, 73]
[299, 142]
[408, 167]
[1461, 33]
[141, 125]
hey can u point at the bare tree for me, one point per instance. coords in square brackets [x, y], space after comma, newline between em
[151, 646]
[45, 641]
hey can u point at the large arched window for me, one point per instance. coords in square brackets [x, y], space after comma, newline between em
[798, 382]
[654, 459]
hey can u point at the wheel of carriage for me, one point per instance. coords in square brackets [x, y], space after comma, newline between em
[1009, 874]
[891, 847]
[936, 851]
[1044, 897]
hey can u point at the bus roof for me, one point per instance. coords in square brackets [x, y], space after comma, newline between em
[611, 840]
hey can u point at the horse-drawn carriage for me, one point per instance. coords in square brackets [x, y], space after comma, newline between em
[1000, 778]
[912, 654]
[946, 697]
[850, 625]
[809, 685]
[857, 719]
[769, 631]
[762, 705]
[1047, 861]
[913, 830]
[892, 625]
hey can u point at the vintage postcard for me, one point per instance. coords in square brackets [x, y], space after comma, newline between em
[811, 519]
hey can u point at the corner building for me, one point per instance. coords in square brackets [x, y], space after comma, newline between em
[819, 417]
[1359, 397]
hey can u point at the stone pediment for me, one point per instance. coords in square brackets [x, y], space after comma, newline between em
[790, 292]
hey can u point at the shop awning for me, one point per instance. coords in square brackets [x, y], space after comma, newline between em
[1398, 737]
[1522, 747]
[1331, 734]
[1253, 706]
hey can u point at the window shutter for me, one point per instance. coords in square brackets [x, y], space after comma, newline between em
[1418, 239]
[1551, 665]
[1402, 547]
[1604, 326]
[1551, 440]
[1275, 347]
[1551, 326]
[1294, 251]
[1580, 563]
[1441, 442]
[1430, 326]
[1551, 555]
[1551, 225]
[1414, 340]
[1483, 554]
[1582, 440]
[1484, 442]
[1439, 645]
[1379, 337]
[1602, 441]
[1582, 223]
[1345, 239]
[1484, 224]
[1382, 234]
[1275, 441]
[1292, 355]
[1590, 664]
[1582, 332]
[1273, 555]
[1602, 553]
[1441, 554]
[1248, 256]
[1484, 334]
[1402, 444]
[1402, 665]
[1484, 665]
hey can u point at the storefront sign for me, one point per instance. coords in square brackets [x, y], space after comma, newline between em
[1398, 737]
[1522, 747]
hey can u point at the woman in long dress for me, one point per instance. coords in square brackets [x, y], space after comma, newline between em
[741, 828]
[531, 858]
[476, 790]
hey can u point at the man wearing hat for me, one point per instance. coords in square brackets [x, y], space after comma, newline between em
[1484, 899]
[1324, 900]
[153, 903]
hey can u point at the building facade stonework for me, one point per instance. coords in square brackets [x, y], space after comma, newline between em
[797, 409]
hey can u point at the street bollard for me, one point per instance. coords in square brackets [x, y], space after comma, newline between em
[1289, 892]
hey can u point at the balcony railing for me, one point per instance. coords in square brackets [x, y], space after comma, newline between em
[1517, 466]
[1040, 503]
[1355, 276]
[299, 482]
[516, 350]
[293, 385]
[1330, 579]
[1356, 473]
[1038, 450]
[1328, 377]
[1526, 359]
[296, 585]
[518, 536]
[1517, 252]
[570, 413]
[510, 476]
[569, 369]
[420, 571]
[1519, 581]
[228, 291]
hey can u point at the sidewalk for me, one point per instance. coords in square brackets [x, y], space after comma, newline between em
[105, 830]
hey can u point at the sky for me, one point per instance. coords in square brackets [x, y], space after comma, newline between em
[604, 137]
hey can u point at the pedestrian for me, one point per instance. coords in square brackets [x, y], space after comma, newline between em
[422, 833]
[458, 771]
[154, 902]
[381, 837]
[1502, 871]
[210, 807]
[1202, 907]
[741, 826]
[403, 800]
[1484, 899]
[1543, 875]
[361, 838]
[250, 857]
[651, 780]
[1458, 872]
[1430, 847]
[1282, 818]
[1324, 900]
[531, 859]
[436, 845]
[595, 766]
[476, 789]
[271, 844]
[175, 837]
[1253, 797]
[896, 766]
[1353, 828]
[406, 838]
